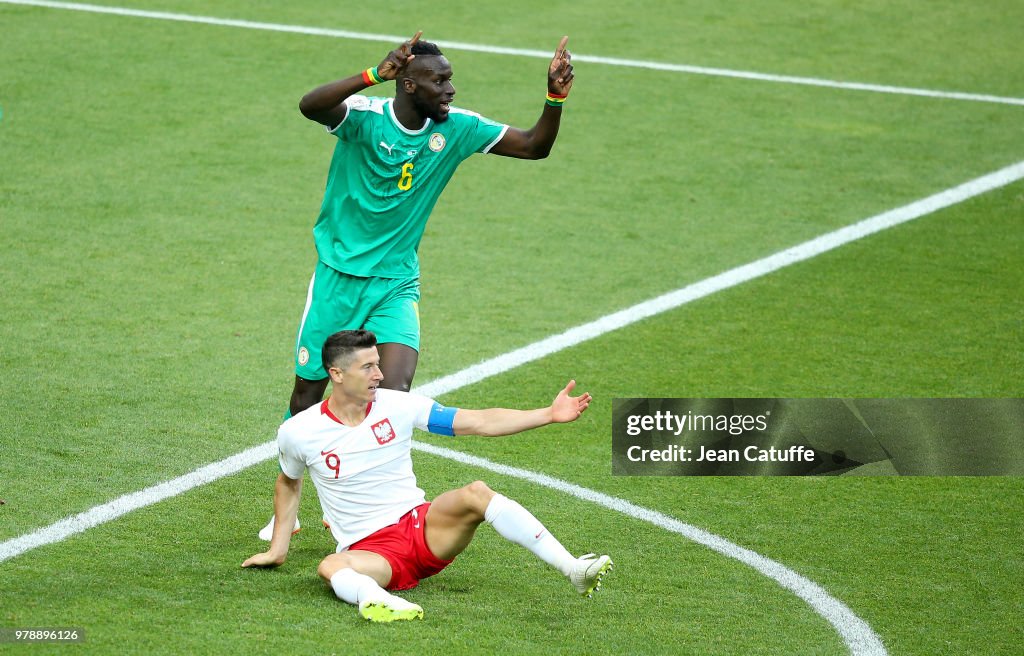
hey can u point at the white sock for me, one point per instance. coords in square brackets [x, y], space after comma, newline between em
[353, 587]
[517, 524]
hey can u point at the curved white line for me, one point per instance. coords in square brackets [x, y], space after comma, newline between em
[855, 632]
[831, 609]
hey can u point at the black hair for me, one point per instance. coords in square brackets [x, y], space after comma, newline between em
[426, 48]
[340, 346]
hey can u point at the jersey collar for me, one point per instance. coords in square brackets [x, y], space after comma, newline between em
[326, 410]
[394, 119]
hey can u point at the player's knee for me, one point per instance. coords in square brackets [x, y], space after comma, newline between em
[479, 495]
[332, 564]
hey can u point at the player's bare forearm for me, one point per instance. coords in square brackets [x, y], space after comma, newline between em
[287, 492]
[504, 421]
[324, 104]
[536, 143]
[499, 421]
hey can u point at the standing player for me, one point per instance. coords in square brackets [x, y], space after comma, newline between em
[357, 446]
[392, 160]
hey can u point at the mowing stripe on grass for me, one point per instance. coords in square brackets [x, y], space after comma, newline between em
[857, 635]
[521, 52]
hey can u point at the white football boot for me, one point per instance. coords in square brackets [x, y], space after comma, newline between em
[267, 532]
[587, 572]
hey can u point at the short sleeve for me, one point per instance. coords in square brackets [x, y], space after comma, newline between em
[478, 133]
[292, 464]
[490, 134]
[358, 108]
[431, 416]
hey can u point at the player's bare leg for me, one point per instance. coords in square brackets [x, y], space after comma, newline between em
[306, 394]
[398, 364]
[358, 577]
[453, 517]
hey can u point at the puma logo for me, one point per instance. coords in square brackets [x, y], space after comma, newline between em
[387, 147]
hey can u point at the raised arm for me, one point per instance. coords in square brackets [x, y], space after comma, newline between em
[536, 142]
[325, 104]
[287, 492]
[502, 421]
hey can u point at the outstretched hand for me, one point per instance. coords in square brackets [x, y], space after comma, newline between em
[398, 59]
[567, 408]
[560, 71]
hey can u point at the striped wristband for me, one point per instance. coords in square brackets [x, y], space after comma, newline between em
[371, 77]
[555, 99]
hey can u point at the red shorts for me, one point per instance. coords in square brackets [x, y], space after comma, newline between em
[404, 546]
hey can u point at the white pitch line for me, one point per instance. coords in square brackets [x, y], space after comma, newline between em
[521, 52]
[123, 505]
[730, 278]
[855, 633]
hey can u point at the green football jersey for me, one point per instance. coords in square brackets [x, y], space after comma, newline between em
[384, 181]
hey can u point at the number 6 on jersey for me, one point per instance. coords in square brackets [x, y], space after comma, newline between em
[405, 182]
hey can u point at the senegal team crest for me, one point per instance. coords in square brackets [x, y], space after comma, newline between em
[383, 431]
[436, 142]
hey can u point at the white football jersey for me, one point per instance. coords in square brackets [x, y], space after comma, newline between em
[363, 474]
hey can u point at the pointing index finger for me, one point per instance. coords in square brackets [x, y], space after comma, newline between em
[415, 38]
[560, 50]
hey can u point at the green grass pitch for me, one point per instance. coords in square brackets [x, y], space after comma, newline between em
[158, 188]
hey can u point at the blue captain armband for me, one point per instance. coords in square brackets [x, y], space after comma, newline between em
[441, 420]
